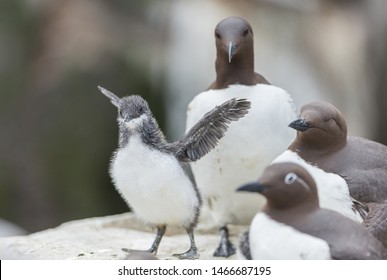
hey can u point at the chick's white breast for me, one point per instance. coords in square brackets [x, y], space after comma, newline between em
[153, 184]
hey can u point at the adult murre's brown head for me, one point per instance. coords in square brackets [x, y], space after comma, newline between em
[285, 186]
[321, 126]
[234, 35]
[235, 54]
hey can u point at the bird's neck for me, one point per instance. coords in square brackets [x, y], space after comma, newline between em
[149, 133]
[314, 153]
[239, 71]
[123, 136]
[294, 214]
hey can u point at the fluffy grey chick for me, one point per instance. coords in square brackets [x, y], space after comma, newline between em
[147, 170]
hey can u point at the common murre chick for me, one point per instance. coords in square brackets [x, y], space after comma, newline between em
[147, 170]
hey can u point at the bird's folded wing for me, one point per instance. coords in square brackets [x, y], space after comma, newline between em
[359, 207]
[376, 221]
[207, 132]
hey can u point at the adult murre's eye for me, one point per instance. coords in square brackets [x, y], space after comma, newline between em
[290, 178]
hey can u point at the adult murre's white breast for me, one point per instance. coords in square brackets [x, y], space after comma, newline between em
[332, 189]
[247, 148]
[153, 184]
[270, 240]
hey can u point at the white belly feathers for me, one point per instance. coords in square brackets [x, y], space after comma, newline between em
[271, 240]
[246, 149]
[154, 184]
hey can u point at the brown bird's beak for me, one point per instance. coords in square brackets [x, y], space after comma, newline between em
[231, 50]
[300, 125]
[252, 187]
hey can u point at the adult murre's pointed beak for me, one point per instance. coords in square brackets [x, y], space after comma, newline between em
[252, 187]
[300, 125]
[231, 50]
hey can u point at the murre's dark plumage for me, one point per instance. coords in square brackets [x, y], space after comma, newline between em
[322, 140]
[293, 226]
[376, 221]
[235, 54]
[250, 144]
[147, 170]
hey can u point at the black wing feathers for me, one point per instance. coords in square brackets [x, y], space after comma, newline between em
[207, 132]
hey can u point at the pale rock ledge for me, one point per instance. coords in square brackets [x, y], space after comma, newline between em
[105, 238]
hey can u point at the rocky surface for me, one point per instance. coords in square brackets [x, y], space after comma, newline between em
[107, 238]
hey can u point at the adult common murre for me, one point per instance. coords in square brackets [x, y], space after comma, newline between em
[293, 226]
[322, 140]
[250, 144]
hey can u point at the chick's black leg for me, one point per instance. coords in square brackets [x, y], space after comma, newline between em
[159, 236]
[192, 253]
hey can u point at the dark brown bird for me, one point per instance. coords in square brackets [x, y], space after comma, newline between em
[322, 140]
[293, 226]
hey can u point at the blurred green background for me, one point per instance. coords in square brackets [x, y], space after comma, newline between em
[57, 132]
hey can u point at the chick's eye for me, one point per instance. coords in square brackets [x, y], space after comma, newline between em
[121, 113]
[290, 178]
[217, 35]
[245, 32]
